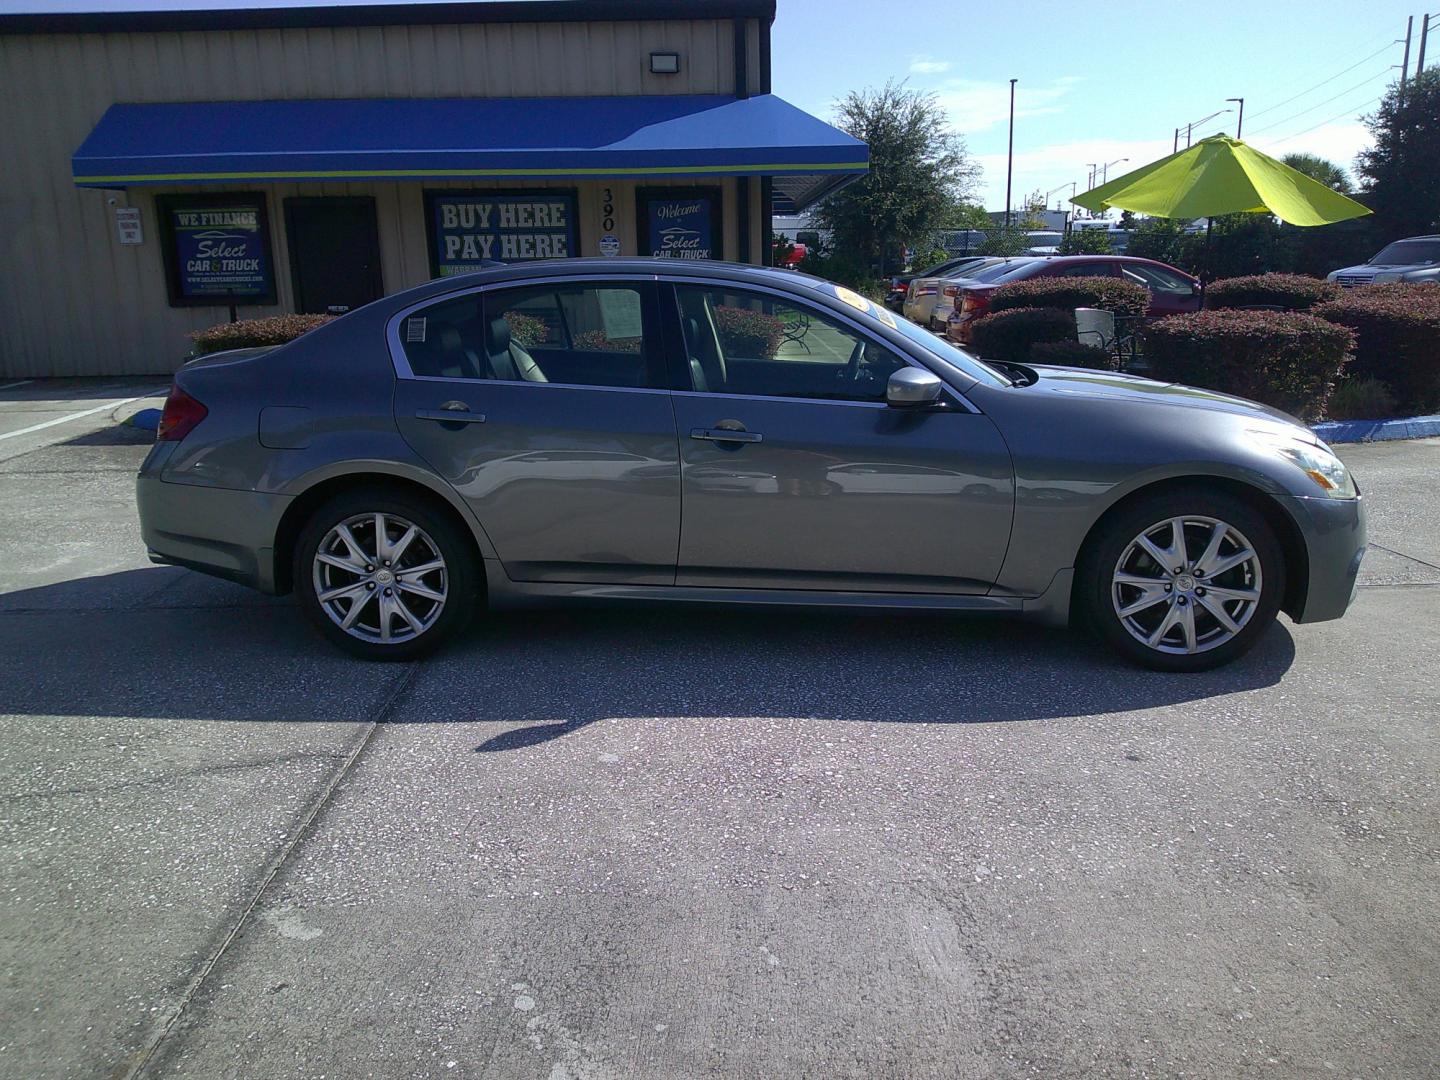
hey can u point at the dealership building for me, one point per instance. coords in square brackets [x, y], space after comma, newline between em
[168, 169]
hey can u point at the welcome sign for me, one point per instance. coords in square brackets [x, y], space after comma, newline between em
[217, 249]
[469, 228]
[681, 223]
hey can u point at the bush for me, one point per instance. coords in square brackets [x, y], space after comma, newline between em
[598, 341]
[1085, 242]
[748, 333]
[1011, 334]
[1362, 399]
[249, 333]
[1397, 332]
[526, 330]
[844, 270]
[1284, 359]
[1068, 293]
[1294, 292]
[1073, 354]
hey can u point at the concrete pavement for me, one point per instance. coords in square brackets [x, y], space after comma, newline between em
[638, 844]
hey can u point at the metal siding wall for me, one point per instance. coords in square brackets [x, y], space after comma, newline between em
[74, 302]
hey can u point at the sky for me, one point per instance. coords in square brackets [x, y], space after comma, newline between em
[1104, 81]
[1098, 82]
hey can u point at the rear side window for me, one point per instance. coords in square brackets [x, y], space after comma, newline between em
[590, 334]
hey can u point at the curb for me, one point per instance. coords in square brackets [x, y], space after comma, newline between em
[1353, 431]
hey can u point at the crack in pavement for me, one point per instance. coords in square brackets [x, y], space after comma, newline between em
[183, 774]
[139, 1063]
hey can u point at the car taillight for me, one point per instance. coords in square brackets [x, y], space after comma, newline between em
[969, 303]
[182, 413]
[951, 290]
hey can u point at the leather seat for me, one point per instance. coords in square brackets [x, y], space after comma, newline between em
[509, 361]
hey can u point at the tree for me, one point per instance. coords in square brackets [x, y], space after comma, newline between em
[1402, 171]
[919, 174]
[1085, 242]
[1032, 214]
[1317, 168]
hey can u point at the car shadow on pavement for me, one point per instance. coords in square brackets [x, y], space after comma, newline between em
[160, 642]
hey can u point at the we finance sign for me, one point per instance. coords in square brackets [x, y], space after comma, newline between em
[468, 229]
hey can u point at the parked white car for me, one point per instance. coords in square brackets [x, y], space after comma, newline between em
[1414, 259]
[925, 297]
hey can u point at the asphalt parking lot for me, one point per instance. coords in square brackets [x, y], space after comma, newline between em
[595, 844]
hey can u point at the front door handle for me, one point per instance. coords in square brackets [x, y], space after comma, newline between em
[450, 416]
[726, 435]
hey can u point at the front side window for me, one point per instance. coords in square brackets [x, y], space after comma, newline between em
[1158, 279]
[739, 342]
[578, 334]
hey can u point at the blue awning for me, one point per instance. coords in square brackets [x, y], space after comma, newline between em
[502, 139]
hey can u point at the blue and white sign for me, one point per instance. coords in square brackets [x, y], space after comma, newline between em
[468, 229]
[218, 249]
[681, 223]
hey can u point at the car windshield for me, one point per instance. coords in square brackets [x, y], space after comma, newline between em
[1403, 252]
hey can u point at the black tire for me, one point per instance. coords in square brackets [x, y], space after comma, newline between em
[1098, 595]
[460, 575]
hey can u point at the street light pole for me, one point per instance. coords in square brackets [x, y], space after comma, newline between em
[1175, 148]
[1010, 155]
[1105, 172]
[1094, 167]
[1239, 120]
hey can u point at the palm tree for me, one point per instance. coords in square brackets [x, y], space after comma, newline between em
[1317, 168]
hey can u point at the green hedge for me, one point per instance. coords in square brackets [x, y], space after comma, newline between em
[1285, 359]
[1068, 293]
[1012, 333]
[1074, 354]
[1397, 339]
[248, 333]
[1294, 292]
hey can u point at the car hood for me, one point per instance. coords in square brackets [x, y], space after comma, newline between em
[1387, 268]
[1141, 392]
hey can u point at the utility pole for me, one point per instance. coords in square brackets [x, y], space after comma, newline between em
[1175, 149]
[1010, 155]
[1240, 121]
[1424, 33]
[1405, 62]
[1094, 167]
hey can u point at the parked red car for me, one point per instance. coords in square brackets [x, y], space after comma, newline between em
[1172, 291]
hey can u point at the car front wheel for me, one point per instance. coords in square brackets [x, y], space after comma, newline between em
[383, 575]
[1183, 581]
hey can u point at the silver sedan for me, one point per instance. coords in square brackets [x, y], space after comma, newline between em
[613, 430]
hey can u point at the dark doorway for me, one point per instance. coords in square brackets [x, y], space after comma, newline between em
[334, 253]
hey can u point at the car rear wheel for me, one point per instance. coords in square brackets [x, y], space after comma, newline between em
[1183, 581]
[383, 575]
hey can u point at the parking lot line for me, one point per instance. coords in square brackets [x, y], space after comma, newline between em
[72, 416]
[12, 385]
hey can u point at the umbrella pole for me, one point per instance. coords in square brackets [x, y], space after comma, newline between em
[1205, 270]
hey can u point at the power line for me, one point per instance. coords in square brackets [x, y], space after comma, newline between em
[1322, 104]
[1338, 116]
[1323, 82]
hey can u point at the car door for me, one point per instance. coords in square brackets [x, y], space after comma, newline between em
[1171, 292]
[796, 474]
[544, 406]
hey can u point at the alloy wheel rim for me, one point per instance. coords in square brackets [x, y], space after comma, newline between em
[1187, 585]
[380, 578]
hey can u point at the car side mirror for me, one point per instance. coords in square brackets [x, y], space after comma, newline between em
[910, 387]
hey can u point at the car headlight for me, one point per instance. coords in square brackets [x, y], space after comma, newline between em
[1316, 460]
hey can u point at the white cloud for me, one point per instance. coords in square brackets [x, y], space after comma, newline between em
[1334, 142]
[1043, 168]
[925, 65]
[977, 106]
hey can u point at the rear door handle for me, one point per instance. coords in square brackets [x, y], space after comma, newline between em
[725, 435]
[450, 416]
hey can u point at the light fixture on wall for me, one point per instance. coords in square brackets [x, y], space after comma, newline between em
[664, 63]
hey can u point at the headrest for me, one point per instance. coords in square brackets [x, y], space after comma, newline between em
[499, 335]
[448, 337]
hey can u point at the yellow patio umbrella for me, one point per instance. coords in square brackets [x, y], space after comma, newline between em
[1221, 175]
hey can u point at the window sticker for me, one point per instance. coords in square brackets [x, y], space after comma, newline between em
[620, 313]
[884, 316]
[415, 330]
[854, 299]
